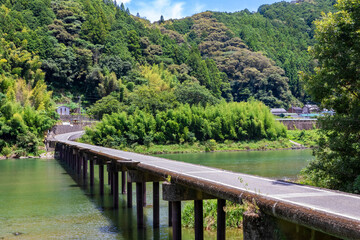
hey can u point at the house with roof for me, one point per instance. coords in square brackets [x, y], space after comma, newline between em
[297, 110]
[278, 111]
[63, 110]
[310, 108]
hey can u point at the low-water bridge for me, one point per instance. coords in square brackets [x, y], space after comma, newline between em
[282, 209]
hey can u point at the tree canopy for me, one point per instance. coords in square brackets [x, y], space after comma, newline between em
[336, 84]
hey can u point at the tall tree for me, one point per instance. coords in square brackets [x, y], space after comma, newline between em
[336, 84]
[96, 26]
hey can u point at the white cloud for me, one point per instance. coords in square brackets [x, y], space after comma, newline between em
[122, 1]
[199, 7]
[152, 10]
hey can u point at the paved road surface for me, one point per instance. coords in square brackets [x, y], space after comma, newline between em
[322, 203]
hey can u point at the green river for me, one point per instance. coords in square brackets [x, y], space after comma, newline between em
[39, 200]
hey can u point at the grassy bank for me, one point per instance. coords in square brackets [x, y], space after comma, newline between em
[234, 214]
[211, 146]
[307, 138]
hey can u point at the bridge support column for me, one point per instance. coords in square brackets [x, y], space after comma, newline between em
[110, 177]
[139, 205]
[66, 155]
[115, 187]
[85, 165]
[141, 178]
[73, 159]
[101, 178]
[69, 157]
[91, 170]
[221, 219]
[123, 182]
[156, 205]
[175, 193]
[144, 194]
[199, 221]
[176, 220]
[62, 153]
[79, 162]
[170, 214]
[129, 193]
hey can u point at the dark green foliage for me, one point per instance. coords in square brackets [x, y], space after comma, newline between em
[216, 49]
[107, 105]
[96, 26]
[194, 94]
[25, 105]
[282, 31]
[116, 64]
[336, 84]
[184, 26]
[232, 121]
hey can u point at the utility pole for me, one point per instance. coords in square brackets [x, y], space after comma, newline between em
[80, 120]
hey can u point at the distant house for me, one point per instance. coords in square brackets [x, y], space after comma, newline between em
[297, 110]
[308, 108]
[278, 111]
[63, 111]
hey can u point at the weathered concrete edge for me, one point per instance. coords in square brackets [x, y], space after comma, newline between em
[341, 227]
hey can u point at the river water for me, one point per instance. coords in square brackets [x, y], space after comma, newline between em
[39, 200]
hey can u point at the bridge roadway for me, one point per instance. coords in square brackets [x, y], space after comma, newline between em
[333, 212]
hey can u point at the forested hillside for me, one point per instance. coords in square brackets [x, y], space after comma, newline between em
[118, 62]
[95, 47]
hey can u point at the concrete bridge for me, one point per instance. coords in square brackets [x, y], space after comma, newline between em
[283, 210]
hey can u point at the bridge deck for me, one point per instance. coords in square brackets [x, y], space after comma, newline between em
[313, 207]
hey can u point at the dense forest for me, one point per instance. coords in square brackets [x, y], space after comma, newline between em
[57, 51]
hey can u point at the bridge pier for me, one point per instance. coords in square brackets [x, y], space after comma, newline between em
[123, 182]
[110, 176]
[73, 159]
[156, 205]
[91, 170]
[175, 193]
[144, 194]
[78, 162]
[199, 220]
[141, 179]
[176, 219]
[85, 165]
[129, 193]
[221, 219]
[101, 178]
[139, 204]
[170, 214]
[115, 187]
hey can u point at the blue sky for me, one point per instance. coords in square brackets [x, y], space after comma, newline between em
[153, 9]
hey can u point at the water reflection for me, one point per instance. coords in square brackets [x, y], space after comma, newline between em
[38, 200]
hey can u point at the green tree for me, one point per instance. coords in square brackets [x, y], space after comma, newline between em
[96, 26]
[134, 43]
[336, 84]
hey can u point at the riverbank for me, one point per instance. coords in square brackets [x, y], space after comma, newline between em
[296, 139]
[45, 155]
[227, 146]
